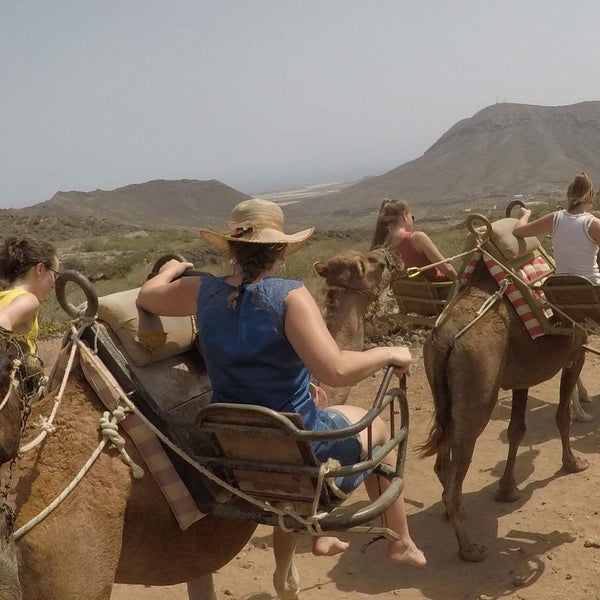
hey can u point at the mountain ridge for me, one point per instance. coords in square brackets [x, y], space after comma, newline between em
[503, 150]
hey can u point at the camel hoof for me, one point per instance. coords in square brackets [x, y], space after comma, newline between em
[510, 495]
[582, 417]
[576, 465]
[473, 553]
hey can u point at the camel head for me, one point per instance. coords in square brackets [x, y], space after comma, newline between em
[366, 272]
[17, 383]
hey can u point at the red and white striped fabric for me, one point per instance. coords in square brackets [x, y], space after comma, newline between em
[530, 271]
[158, 462]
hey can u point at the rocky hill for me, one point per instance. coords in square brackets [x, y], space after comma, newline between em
[158, 203]
[480, 163]
[502, 151]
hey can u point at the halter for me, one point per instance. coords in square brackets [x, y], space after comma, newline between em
[18, 385]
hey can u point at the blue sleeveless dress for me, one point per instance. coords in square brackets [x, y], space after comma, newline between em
[249, 360]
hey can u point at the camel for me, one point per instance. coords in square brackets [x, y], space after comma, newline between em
[353, 281]
[112, 528]
[463, 406]
[496, 352]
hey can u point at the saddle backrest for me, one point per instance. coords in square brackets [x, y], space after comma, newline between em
[283, 470]
[420, 297]
[160, 352]
[575, 296]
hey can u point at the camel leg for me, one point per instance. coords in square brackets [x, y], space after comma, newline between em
[579, 395]
[507, 489]
[568, 379]
[462, 452]
[442, 468]
[582, 392]
[285, 578]
[202, 588]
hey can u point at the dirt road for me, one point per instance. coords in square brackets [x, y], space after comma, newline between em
[535, 546]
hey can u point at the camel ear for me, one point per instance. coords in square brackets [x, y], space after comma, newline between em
[360, 267]
[321, 268]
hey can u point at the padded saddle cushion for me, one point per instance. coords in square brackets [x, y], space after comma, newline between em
[502, 237]
[146, 338]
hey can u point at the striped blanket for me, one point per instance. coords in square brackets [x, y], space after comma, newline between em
[158, 463]
[534, 269]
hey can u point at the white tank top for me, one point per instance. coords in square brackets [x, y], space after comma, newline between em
[574, 250]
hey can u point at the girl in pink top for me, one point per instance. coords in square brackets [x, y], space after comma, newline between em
[415, 248]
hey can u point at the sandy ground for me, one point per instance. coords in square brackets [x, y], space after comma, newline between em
[535, 546]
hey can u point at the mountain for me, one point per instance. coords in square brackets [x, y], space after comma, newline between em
[158, 203]
[480, 163]
[503, 150]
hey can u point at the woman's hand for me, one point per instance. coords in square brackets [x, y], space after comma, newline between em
[400, 360]
[524, 214]
[174, 269]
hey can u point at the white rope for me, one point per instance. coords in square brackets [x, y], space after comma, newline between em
[108, 423]
[12, 384]
[48, 424]
[110, 432]
[487, 305]
[414, 271]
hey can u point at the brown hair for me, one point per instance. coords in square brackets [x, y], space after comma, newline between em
[18, 255]
[389, 212]
[579, 190]
[253, 259]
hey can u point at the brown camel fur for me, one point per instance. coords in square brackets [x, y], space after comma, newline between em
[353, 281]
[111, 528]
[466, 373]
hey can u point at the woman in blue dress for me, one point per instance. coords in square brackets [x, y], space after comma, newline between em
[262, 336]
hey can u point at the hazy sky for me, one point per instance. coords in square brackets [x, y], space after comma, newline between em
[266, 94]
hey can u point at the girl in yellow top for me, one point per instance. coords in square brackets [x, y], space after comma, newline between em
[30, 266]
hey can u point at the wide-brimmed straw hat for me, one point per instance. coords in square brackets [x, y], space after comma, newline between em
[257, 221]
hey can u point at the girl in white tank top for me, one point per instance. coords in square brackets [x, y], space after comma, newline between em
[574, 249]
[575, 232]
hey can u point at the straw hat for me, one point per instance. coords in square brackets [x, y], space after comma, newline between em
[257, 221]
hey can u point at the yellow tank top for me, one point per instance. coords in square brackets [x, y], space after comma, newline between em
[30, 338]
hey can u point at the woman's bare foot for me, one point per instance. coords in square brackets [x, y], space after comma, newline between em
[328, 546]
[405, 553]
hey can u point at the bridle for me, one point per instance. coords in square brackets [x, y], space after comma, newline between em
[19, 385]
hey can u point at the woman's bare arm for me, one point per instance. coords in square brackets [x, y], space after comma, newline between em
[422, 242]
[538, 227]
[314, 344]
[166, 295]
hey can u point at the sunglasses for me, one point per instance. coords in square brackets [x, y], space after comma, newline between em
[54, 271]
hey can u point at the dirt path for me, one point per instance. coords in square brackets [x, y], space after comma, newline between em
[535, 546]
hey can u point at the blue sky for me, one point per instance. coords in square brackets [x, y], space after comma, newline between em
[266, 94]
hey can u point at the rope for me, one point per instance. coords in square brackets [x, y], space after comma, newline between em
[48, 424]
[13, 383]
[108, 424]
[414, 271]
[110, 432]
[487, 305]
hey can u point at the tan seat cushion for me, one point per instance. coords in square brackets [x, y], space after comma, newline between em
[146, 338]
[502, 237]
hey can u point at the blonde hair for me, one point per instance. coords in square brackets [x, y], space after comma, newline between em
[579, 190]
[390, 211]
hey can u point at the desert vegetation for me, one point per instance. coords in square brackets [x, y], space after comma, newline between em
[116, 261]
